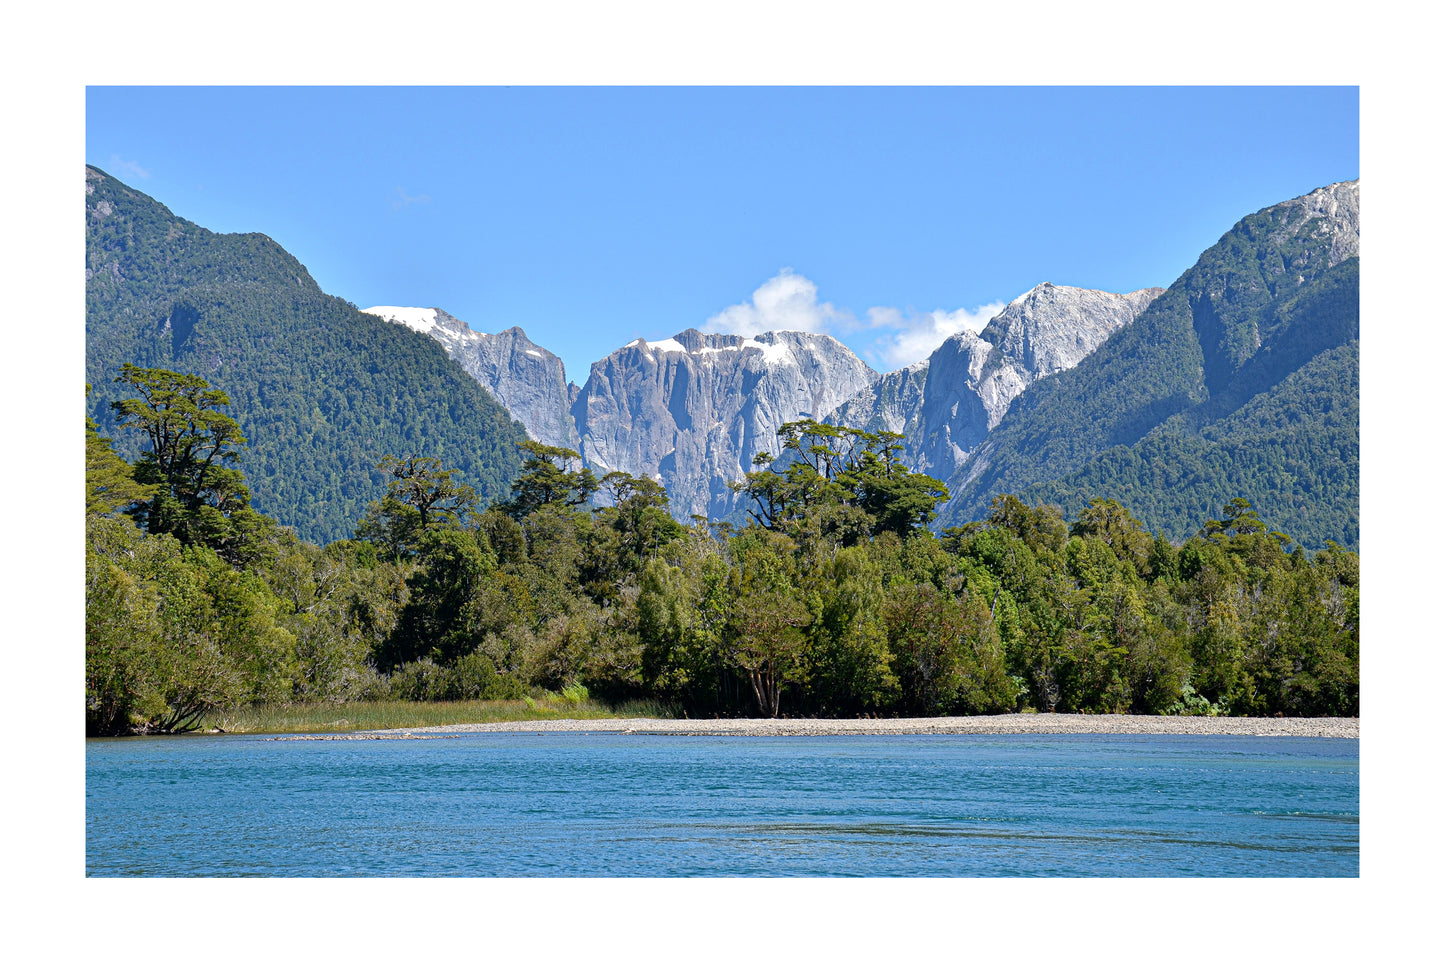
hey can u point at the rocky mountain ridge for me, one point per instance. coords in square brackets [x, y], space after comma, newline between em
[946, 405]
[692, 410]
[527, 379]
[1241, 379]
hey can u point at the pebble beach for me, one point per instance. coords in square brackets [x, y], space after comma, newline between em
[980, 724]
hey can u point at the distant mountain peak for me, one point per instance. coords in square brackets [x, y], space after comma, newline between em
[696, 407]
[417, 318]
[1240, 379]
[946, 404]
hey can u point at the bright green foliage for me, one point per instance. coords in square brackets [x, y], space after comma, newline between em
[764, 627]
[473, 677]
[439, 620]
[925, 637]
[851, 662]
[420, 495]
[1041, 527]
[109, 480]
[625, 534]
[840, 484]
[814, 616]
[173, 633]
[1020, 611]
[682, 608]
[1110, 523]
[897, 500]
[638, 513]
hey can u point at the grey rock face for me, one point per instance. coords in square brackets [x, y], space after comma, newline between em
[945, 405]
[973, 379]
[529, 381]
[692, 411]
[1333, 209]
[892, 404]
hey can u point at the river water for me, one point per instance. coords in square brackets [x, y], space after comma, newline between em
[612, 805]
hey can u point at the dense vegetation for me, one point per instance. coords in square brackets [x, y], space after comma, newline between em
[833, 599]
[321, 390]
[1243, 375]
[1294, 449]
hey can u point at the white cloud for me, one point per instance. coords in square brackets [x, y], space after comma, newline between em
[889, 338]
[787, 301]
[918, 334]
[118, 165]
[401, 200]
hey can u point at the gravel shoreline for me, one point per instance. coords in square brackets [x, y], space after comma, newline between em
[982, 724]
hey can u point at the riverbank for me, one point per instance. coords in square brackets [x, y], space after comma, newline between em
[980, 724]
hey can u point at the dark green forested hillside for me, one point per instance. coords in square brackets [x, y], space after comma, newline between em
[1294, 450]
[321, 390]
[1240, 380]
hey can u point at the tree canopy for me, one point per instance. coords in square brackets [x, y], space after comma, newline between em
[835, 599]
[843, 481]
[190, 443]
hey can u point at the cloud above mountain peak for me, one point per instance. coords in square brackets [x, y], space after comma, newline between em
[789, 300]
[890, 337]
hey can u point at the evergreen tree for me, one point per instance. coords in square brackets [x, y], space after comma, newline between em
[109, 480]
[190, 443]
[547, 478]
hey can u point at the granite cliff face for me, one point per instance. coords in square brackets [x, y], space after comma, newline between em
[527, 379]
[945, 405]
[973, 379]
[692, 411]
[892, 404]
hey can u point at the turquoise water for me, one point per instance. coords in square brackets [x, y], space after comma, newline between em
[606, 805]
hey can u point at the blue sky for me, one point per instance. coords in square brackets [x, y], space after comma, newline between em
[886, 216]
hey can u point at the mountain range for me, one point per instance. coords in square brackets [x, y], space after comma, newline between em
[1241, 378]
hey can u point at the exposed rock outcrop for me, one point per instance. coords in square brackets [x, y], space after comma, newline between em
[692, 411]
[892, 404]
[1332, 210]
[945, 405]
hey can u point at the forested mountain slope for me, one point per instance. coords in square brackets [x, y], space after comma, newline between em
[320, 390]
[1241, 379]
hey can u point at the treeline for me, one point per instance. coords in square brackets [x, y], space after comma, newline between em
[833, 599]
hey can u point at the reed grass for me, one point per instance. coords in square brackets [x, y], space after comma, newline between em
[322, 717]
